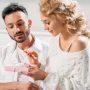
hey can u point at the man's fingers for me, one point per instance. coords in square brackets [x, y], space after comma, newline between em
[35, 86]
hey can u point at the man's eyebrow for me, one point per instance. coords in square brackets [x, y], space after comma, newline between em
[20, 20]
[8, 24]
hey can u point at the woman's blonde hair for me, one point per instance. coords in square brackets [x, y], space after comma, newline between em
[58, 8]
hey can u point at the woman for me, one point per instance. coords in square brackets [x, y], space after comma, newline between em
[67, 63]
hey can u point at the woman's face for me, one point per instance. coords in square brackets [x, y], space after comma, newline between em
[53, 25]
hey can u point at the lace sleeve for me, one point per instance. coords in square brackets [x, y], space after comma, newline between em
[76, 79]
[51, 82]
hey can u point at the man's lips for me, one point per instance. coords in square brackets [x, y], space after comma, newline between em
[20, 34]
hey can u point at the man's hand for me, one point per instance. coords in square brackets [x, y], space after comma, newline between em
[27, 86]
[18, 86]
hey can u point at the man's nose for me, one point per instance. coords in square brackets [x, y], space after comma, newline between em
[16, 28]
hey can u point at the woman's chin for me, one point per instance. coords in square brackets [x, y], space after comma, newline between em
[54, 34]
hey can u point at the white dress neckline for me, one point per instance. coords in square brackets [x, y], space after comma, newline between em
[61, 51]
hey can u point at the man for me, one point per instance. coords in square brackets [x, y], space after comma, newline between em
[13, 54]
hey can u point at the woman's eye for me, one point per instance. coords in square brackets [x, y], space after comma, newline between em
[46, 22]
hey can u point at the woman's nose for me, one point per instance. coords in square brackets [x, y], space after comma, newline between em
[46, 27]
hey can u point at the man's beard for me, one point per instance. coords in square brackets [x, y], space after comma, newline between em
[23, 38]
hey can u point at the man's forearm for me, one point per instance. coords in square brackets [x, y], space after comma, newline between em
[8, 86]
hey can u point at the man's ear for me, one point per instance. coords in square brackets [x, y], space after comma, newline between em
[30, 22]
[6, 28]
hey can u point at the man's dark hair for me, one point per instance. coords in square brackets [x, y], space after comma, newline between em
[13, 7]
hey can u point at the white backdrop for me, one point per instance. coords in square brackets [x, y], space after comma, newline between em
[45, 37]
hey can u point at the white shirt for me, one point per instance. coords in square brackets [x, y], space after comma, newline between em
[10, 54]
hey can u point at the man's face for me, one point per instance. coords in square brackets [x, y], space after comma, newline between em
[17, 25]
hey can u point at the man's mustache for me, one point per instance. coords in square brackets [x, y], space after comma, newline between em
[18, 33]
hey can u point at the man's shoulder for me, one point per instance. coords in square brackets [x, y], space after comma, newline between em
[3, 46]
[9, 46]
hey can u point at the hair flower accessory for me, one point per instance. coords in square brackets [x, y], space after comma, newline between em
[62, 7]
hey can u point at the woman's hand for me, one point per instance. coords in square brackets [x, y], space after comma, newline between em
[34, 70]
[36, 73]
[33, 57]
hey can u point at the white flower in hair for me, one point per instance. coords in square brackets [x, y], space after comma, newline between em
[62, 7]
[65, 1]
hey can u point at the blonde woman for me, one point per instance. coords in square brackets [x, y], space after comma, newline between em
[68, 58]
[68, 55]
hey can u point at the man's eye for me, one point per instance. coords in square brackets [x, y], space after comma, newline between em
[20, 24]
[10, 26]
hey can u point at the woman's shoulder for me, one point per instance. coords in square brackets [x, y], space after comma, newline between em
[80, 43]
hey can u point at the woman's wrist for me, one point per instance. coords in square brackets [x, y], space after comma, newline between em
[44, 75]
[41, 76]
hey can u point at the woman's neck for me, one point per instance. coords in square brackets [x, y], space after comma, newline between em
[65, 36]
[66, 40]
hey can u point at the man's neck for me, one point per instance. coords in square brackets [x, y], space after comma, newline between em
[27, 43]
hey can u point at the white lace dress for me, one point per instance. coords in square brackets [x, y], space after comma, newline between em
[67, 71]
